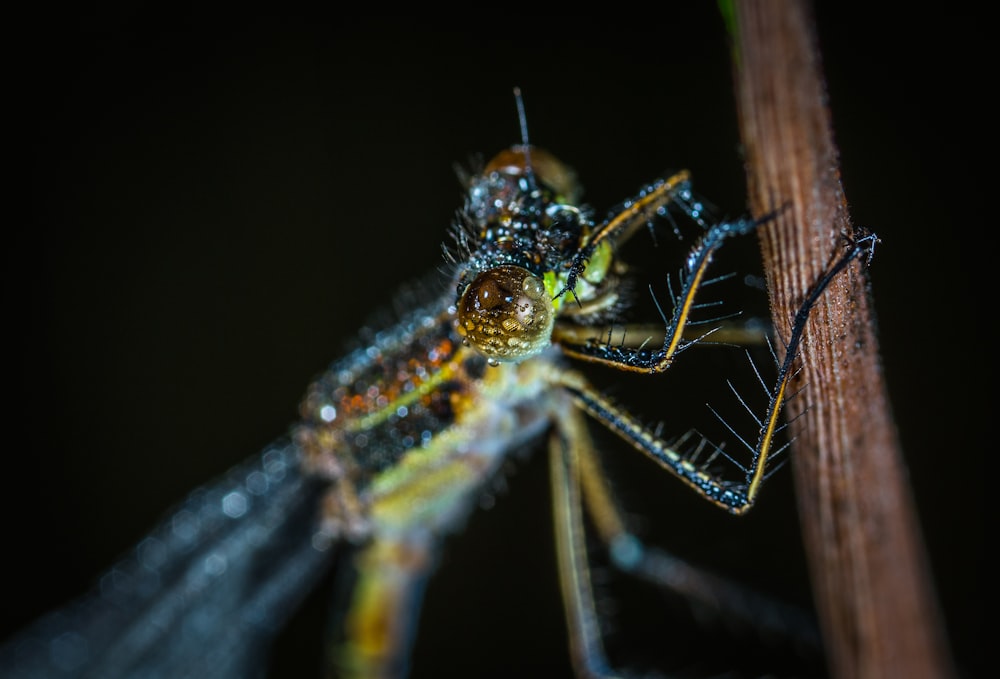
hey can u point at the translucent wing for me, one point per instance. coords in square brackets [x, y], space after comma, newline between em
[203, 595]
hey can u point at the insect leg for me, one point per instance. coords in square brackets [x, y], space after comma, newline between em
[568, 443]
[735, 497]
[642, 360]
[725, 598]
[633, 214]
[729, 495]
[753, 332]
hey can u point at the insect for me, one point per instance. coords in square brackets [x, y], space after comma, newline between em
[399, 439]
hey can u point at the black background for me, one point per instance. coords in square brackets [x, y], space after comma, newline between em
[215, 203]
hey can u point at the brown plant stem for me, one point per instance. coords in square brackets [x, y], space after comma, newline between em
[870, 580]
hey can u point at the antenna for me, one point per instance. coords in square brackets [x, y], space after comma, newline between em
[525, 144]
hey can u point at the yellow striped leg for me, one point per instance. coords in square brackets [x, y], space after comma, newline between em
[566, 445]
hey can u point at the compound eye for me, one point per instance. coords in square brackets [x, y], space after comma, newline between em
[506, 314]
[549, 169]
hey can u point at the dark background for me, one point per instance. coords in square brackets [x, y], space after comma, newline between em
[214, 204]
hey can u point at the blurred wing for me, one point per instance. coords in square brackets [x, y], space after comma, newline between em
[202, 596]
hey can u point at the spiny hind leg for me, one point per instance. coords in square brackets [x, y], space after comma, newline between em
[710, 593]
[579, 485]
[579, 482]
